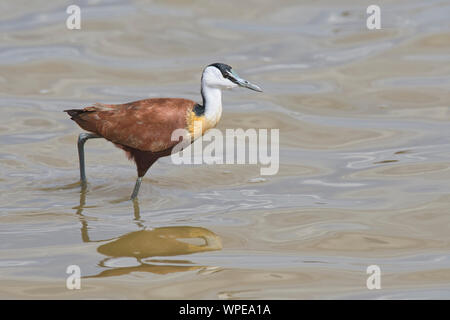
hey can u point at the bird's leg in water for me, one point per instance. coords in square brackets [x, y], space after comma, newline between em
[82, 138]
[136, 188]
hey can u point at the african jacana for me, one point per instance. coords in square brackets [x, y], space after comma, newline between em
[143, 128]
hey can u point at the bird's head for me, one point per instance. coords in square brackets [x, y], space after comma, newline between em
[220, 75]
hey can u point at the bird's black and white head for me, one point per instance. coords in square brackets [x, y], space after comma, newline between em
[221, 76]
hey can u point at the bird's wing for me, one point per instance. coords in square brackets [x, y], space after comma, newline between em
[145, 125]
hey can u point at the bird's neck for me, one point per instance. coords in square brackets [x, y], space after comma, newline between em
[212, 101]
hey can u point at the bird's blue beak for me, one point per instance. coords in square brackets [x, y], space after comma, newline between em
[242, 82]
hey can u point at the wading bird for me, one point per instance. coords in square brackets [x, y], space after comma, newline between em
[143, 129]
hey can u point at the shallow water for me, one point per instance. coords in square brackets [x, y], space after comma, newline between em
[364, 152]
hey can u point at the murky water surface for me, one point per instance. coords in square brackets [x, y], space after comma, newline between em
[364, 151]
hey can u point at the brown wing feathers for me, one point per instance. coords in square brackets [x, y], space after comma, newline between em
[145, 125]
[142, 128]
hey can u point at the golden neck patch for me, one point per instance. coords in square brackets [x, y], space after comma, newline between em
[197, 124]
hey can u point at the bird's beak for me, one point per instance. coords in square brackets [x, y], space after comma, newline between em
[242, 82]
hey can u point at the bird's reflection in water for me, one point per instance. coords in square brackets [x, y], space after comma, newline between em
[145, 245]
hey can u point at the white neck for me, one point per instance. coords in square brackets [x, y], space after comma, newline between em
[212, 101]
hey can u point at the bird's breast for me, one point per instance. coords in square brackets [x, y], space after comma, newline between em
[197, 125]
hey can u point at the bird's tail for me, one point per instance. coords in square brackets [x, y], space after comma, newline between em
[74, 112]
[79, 116]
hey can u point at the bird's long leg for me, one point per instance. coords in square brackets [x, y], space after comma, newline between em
[144, 160]
[82, 138]
[136, 188]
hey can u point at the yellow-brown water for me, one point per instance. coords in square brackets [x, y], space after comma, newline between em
[364, 151]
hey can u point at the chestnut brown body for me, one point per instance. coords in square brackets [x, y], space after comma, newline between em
[143, 129]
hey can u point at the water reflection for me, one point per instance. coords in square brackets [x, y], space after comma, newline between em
[147, 247]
